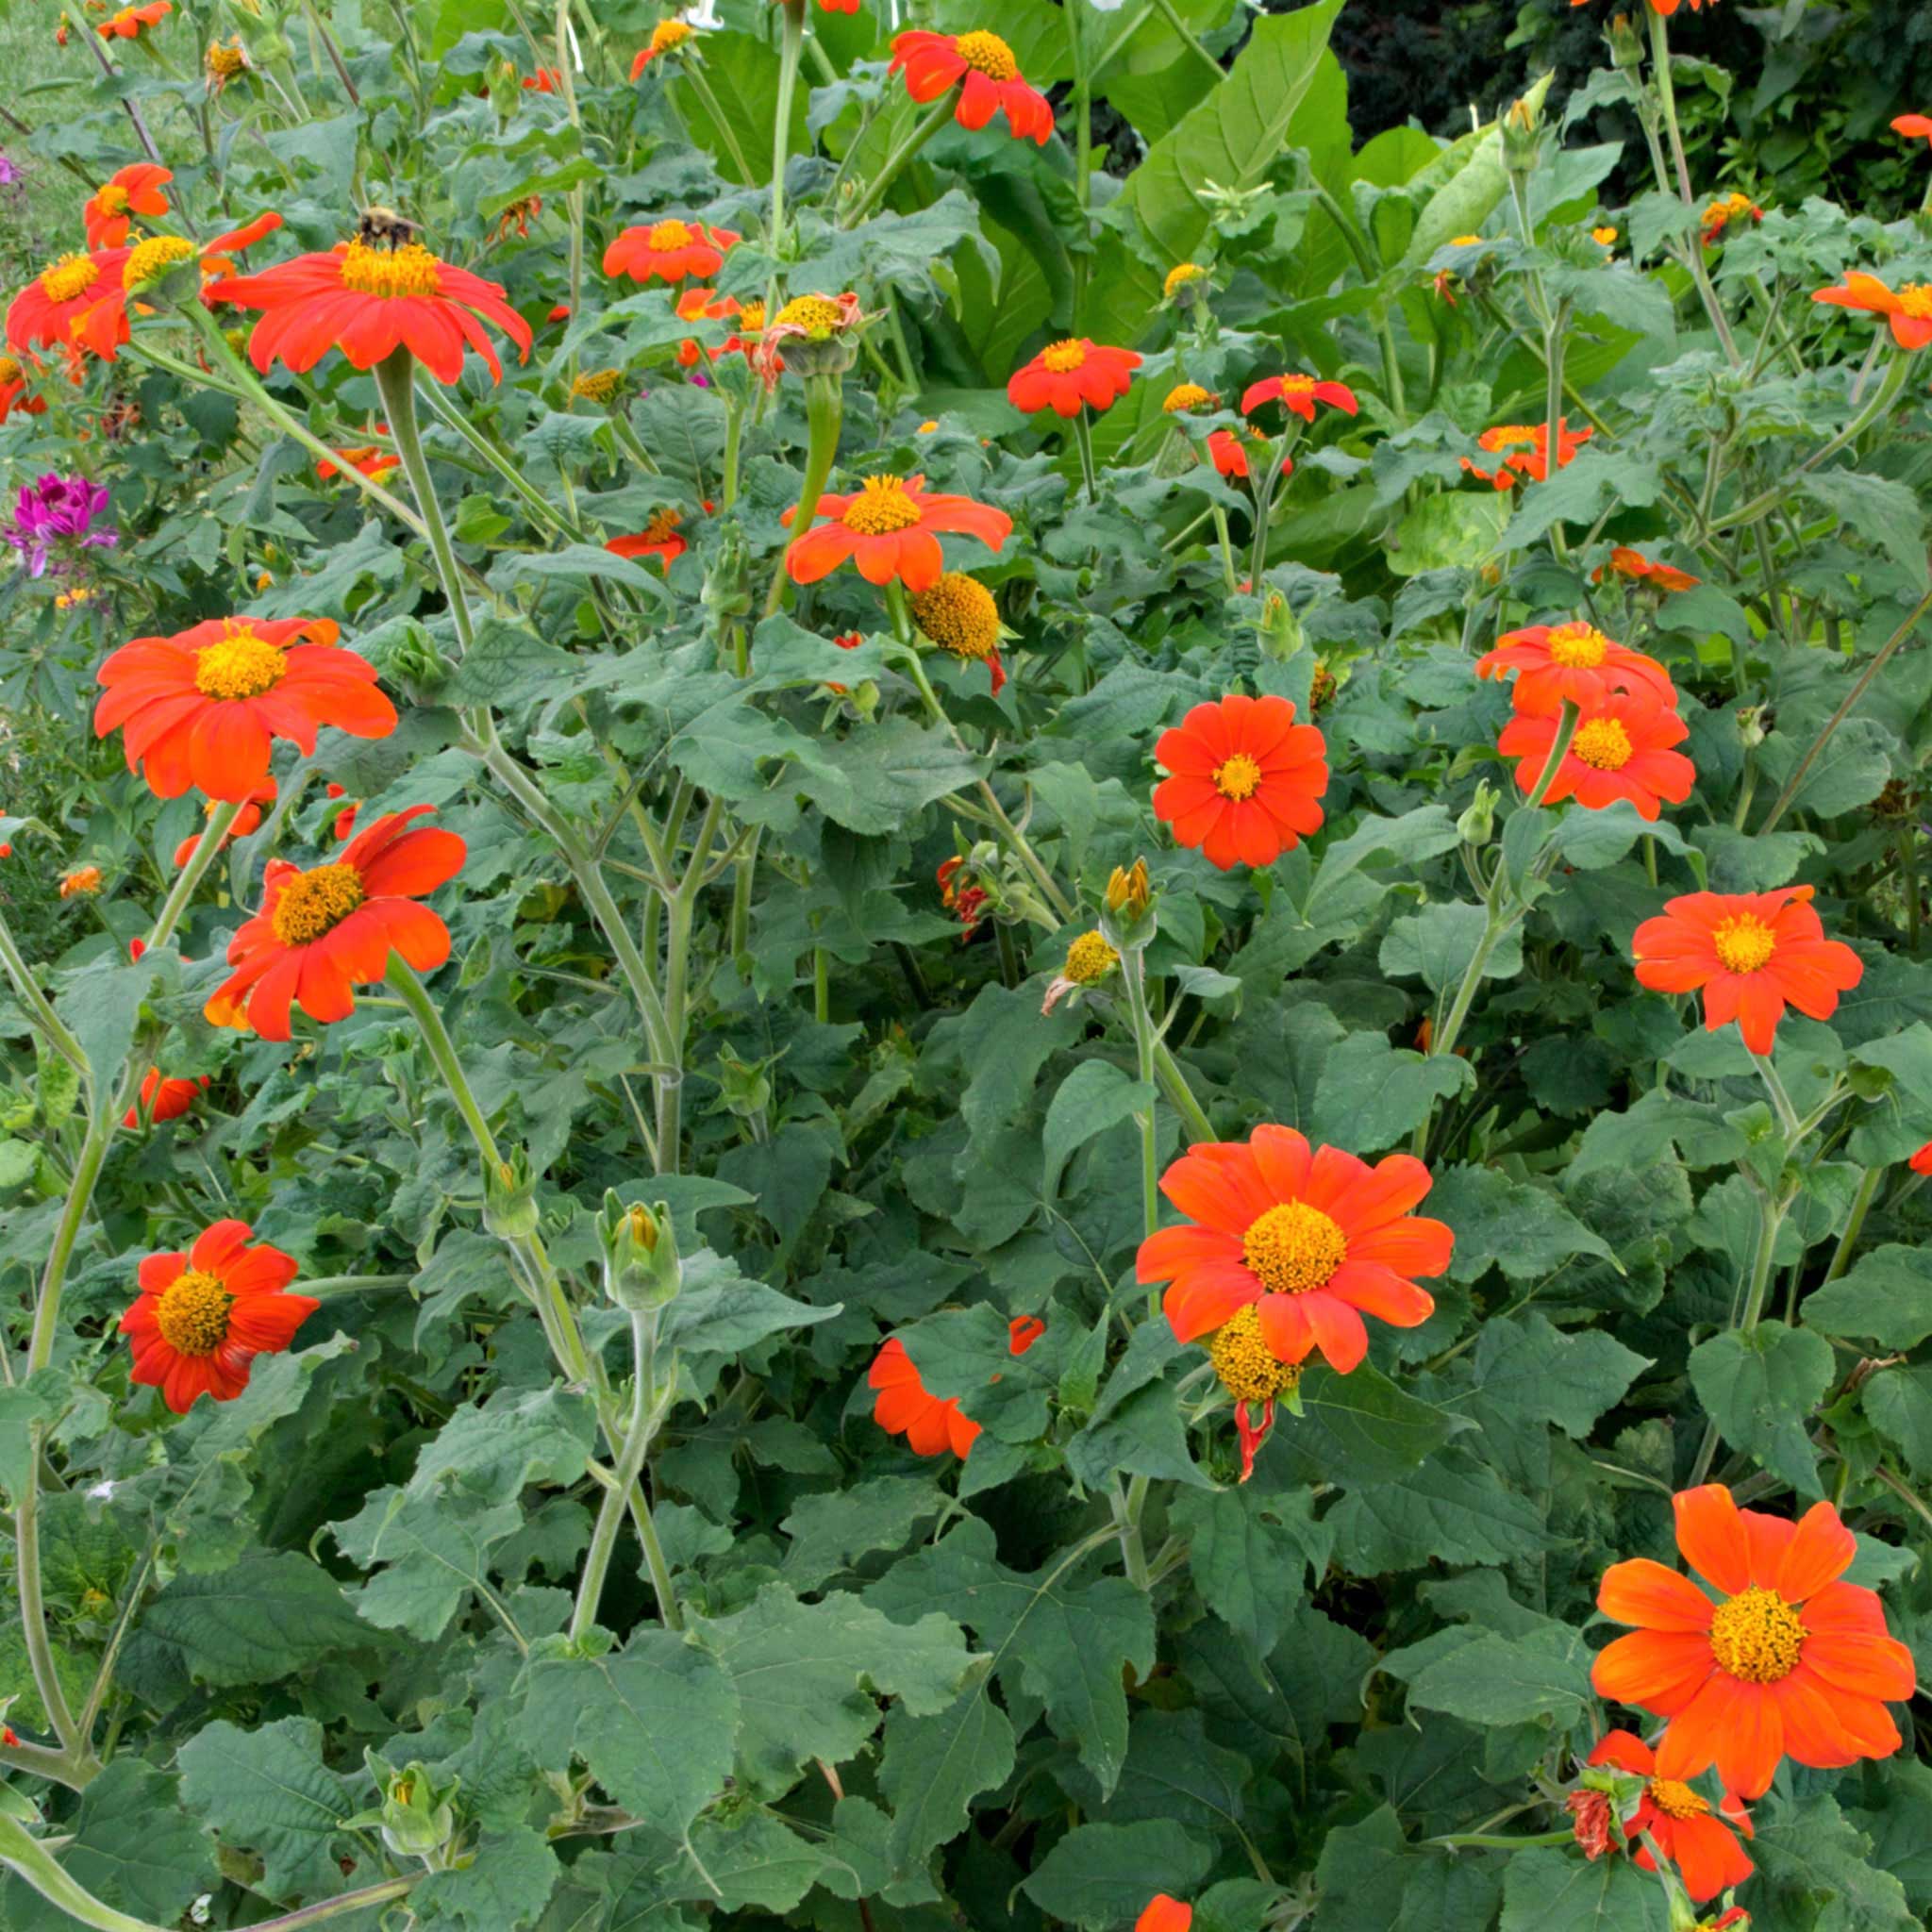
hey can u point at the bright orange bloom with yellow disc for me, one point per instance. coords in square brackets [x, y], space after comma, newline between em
[53, 311]
[202, 707]
[1575, 661]
[109, 212]
[669, 251]
[203, 1317]
[1698, 1837]
[1525, 449]
[83, 882]
[369, 302]
[982, 67]
[1639, 569]
[132, 22]
[367, 460]
[1298, 394]
[1246, 780]
[323, 932]
[930, 1423]
[1909, 310]
[667, 37]
[1623, 748]
[1310, 1238]
[1786, 1662]
[1067, 374]
[660, 539]
[1751, 955]
[1165, 1914]
[890, 529]
[15, 393]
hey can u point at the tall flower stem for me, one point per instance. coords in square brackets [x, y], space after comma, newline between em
[1667, 96]
[693, 73]
[825, 414]
[1083, 437]
[790, 48]
[38, 1008]
[922, 131]
[630, 1464]
[1749, 1309]
[395, 382]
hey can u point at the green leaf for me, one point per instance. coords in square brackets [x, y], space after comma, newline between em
[1096, 1095]
[831, 1531]
[1358, 1428]
[1372, 1094]
[1103, 1875]
[1247, 1552]
[268, 1791]
[134, 1847]
[1455, 529]
[505, 1886]
[1544, 1888]
[1760, 1389]
[1885, 1296]
[266, 1618]
[1542, 1677]
[1453, 1509]
[434, 1553]
[720, 1312]
[1899, 1402]
[933, 1767]
[1440, 944]
[1516, 1225]
[1529, 1367]
[1814, 1873]
[1883, 510]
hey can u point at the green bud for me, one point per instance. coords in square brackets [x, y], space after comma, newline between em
[1523, 137]
[417, 1816]
[418, 666]
[1127, 918]
[642, 1269]
[743, 1085]
[1477, 825]
[1626, 43]
[509, 1197]
[1280, 628]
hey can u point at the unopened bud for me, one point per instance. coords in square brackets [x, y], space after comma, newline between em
[1626, 44]
[1521, 137]
[1280, 630]
[509, 1197]
[417, 1817]
[1754, 723]
[1127, 920]
[641, 1268]
[1477, 824]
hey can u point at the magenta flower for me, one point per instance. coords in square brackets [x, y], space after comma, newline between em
[56, 517]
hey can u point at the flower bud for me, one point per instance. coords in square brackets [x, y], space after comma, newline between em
[509, 1197]
[417, 1817]
[1522, 138]
[417, 665]
[1754, 723]
[1626, 44]
[1477, 824]
[1127, 920]
[641, 1270]
[1280, 628]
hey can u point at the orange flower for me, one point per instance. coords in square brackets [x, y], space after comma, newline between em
[834, 6]
[246, 821]
[202, 707]
[658, 538]
[1577, 661]
[164, 1100]
[369, 302]
[1299, 394]
[131, 22]
[1638, 569]
[345, 822]
[1791, 1662]
[368, 459]
[1225, 452]
[1666, 8]
[1164, 1914]
[323, 932]
[666, 37]
[83, 882]
[1246, 780]
[1910, 309]
[1914, 126]
[1312, 1239]
[982, 67]
[203, 1317]
[13, 394]
[1590, 1820]
[54, 308]
[1699, 1841]
[1620, 749]
[133, 190]
[669, 251]
[1723, 211]
[930, 1425]
[1067, 374]
[889, 527]
[1525, 449]
[546, 80]
[1921, 1162]
[1751, 954]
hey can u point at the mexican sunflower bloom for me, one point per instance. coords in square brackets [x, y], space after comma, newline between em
[1787, 1662]
[669, 251]
[369, 302]
[1299, 394]
[1165, 1914]
[1230, 458]
[1636, 568]
[1575, 661]
[53, 311]
[1666, 8]
[1910, 311]
[164, 1100]
[1067, 374]
[202, 707]
[325, 931]
[667, 37]
[1751, 954]
[13, 391]
[889, 527]
[367, 460]
[982, 67]
[930, 1425]
[203, 1317]
[1525, 450]
[1245, 780]
[110, 211]
[958, 614]
[1698, 1837]
[1913, 126]
[1726, 210]
[83, 882]
[132, 22]
[658, 538]
[1622, 749]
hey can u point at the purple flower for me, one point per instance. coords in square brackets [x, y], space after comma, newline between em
[54, 519]
[9, 170]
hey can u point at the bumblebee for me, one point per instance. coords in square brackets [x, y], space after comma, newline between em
[382, 227]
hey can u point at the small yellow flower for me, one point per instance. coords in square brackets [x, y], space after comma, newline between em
[83, 882]
[1189, 395]
[1605, 236]
[1183, 280]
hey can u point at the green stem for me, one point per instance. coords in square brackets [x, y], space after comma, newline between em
[825, 411]
[1180, 1096]
[709, 101]
[1780, 1100]
[1869, 1184]
[395, 382]
[1127, 1514]
[39, 1009]
[922, 131]
[1220, 536]
[630, 1464]
[790, 48]
[1667, 94]
[1370, 273]
[533, 499]
[1083, 436]
[1166, 10]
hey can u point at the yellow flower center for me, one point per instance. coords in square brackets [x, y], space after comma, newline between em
[226, 62]
[1578, 646]
[671, 234]
[112, 199]
[1064, 356]
[1507, 435]
[10, 370]
[1243, 1361]
[153, 257]
[958, 614]
[72, 276]
[751, 318]
[1602, 743]
[1239, 778]
[1675, 1799]
[988, 53]
[1188, 396]
[193, 1313]
[1088, 958]
[1915, 299]
[1756, 1636]
[241, 665]
[316, 902]
[1293, 1247]
[663, 523]
[1743, 943]
[411, 270]
[597, 385]
[880, 506]
[1297, 386]
[86, 879]
[818, 315]
[668, 33]
[1181, 274]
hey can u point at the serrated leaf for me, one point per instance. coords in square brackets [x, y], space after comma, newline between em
[1760, 1389]
[268, 1791]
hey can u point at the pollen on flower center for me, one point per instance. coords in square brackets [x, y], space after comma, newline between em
[155, 257]
[751, 318]
[960, 615]
[663, 522]
[72, 276]
[193, 1313]
[315, 901]
[112, 199]
[1064, 356]
[670, 33]
[1239, 778]
[1297, 385]
[882, 506]
[1743, 943]
[1675, 1799]
[10, 370]
[241, 665]
[1602, 743]
[1756, 1636]
[1188, 396]
[597, 385]
[411, 270]
[671, 234]
[818, 315]
[1293, 1247]
[1181, 274]
[988, 53]
[1578, 646]
[1915, 299]
[1243, 1361]
[1090, 958]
